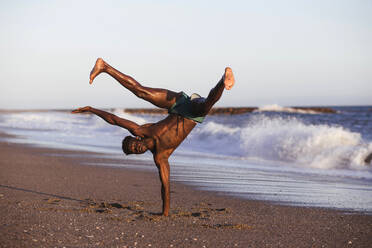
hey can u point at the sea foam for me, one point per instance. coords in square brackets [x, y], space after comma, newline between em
[277, 108]
[288, 140]
[275, 139]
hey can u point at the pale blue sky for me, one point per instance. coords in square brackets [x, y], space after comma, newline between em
[282, 52]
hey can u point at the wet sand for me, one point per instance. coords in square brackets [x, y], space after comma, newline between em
[49, 198]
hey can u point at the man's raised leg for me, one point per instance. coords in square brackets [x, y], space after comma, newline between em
[161, 98]
[227, 81]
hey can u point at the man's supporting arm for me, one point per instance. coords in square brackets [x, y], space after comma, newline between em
[164, 171]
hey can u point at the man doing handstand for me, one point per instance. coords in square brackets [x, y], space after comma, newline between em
[163, 137]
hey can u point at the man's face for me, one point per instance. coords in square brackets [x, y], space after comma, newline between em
[137, 146]
[134, 146]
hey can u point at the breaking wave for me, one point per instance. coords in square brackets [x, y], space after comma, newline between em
[277, 108]
[276, 139]
[288, 140]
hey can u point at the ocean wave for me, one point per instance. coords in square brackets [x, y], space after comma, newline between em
[274, 139]
[56, 120]
[139, 120]
[288, 140]
[277, 108]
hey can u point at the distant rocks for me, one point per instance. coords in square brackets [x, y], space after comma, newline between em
[145, 111]
[229, 111]
[318, 109]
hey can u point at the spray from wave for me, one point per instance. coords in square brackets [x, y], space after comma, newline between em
[277, 108]
[275, 139]
[288, 140]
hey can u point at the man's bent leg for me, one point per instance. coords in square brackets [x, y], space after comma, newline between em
[161, 98]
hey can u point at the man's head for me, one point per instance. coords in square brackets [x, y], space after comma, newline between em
[132, 145]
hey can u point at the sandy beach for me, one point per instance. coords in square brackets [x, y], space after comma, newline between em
[49, 198]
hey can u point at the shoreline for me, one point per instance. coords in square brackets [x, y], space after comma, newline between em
[92, 158]
[58, 201]
[114, 160]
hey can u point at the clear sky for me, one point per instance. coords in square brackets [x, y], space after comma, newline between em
[282, 52]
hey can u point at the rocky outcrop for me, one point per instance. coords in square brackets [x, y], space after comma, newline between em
[146, 111]
[318, 109]
[224, 111]
[213, 111]
[231, 111]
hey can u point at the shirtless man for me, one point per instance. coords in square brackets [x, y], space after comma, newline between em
[163, 137]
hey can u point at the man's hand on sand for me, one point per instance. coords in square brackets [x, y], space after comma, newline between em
[81, 110]
[228, 78]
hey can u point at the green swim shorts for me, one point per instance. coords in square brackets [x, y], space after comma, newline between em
[183, 107]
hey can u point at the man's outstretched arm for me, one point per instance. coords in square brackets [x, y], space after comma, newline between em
[112, 119]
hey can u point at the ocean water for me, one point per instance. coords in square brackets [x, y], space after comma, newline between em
[275, 154]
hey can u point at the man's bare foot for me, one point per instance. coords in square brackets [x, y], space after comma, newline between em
[228, 78]
[97, 69]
